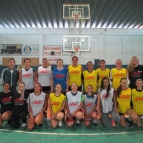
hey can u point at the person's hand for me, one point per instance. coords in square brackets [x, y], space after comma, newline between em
[73, 114]
[53, 116]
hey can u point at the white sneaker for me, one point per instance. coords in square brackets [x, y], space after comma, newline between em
[77, 122]
[23, 124]
[60, 123]
[94, 121]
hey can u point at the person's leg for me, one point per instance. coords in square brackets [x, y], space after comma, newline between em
[15, 120]
[79, 115]
[39, 118]
[132, 115]
[30, 123]
[138, 122]
[1, 121]
[70, 122]
[106, 120]
[60, 116]
[122, 120]
[87, 122]
[23, 117]
[115, 116]
[6, 115]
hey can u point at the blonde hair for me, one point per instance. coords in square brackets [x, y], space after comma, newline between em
[131, 67]
[22, 94]
[45, 59]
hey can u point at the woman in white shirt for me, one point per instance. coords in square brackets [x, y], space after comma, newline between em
[37, 105]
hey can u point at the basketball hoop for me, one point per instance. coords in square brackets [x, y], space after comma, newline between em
[76, 51]
[76, 16]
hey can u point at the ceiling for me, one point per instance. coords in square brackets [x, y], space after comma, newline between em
[49, 13]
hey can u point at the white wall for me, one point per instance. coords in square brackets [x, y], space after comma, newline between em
[109, 44]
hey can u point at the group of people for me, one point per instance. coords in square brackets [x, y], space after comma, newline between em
[72, 94]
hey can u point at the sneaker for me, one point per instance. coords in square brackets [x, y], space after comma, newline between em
[60, 123]
[23, 124]
[113, 123]
[130, 125]
[9, 123]
[77, 122]
[126, 116]
[94, 121]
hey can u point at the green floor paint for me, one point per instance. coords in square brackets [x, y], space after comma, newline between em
[75, 134]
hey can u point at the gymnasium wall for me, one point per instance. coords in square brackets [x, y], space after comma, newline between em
[108, 44]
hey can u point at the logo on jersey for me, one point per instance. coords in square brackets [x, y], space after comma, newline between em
[124, 97]
[75, 72]
[90, 78]
[18, 101]
[104, 95]
[89, 104]
[27, 50]
[74, 104]
[56, 103]
[28, 75]
[59, 76]
[136, 73]
[6, 100]
[119, 75]
[44, 72]
[138, 99]
[37, 102]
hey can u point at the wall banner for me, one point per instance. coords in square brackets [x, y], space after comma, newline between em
[52, 50]
[32, 50]
[10, 49]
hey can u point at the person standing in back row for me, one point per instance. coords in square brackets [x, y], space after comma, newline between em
[26, 75]
[11, 75]
[102, 72]
[75, 73]
[135, 71]
[117, 74]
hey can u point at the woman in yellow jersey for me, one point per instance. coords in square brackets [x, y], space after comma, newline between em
[137, 100]
[117, 74]
[123, 103]
[102, 72]
[75, 72]
[56, 104]
[90, 77]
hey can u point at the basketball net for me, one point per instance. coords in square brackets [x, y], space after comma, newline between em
[76, 51]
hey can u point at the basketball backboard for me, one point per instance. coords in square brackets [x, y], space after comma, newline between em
[72, 42]
[76, 11]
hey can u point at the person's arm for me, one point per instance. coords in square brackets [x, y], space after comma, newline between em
[3, 76]
[127, 76]
[68, 78]
[44, 107]
[98, 104]
[115, 101]
[67, 81]
[49, 105]
[20, 76]
[30, 109]
[36, 76]
[51, 82]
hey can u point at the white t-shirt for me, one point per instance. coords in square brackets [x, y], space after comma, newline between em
[107, 103]
[36, 102]
[44, 75]
[27, 78]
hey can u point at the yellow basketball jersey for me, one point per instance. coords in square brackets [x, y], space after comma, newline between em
[75, 74]
[101, 74]
[90, 78]
[124, 100]
[137, 99]
[56, 102]
[117, 75]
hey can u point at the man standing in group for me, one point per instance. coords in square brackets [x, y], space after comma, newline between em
[11, 75]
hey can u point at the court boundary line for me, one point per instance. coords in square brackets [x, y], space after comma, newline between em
[70, 134]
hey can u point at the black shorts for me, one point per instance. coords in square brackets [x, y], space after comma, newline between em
[121, 114]
[29, 90]
[46, 89]
[79, 88]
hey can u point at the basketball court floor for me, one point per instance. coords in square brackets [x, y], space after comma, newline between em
[75, 134]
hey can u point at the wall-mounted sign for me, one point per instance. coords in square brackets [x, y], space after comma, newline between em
[10, 49]
[52, 50]
[53, 60]
[32, 50]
